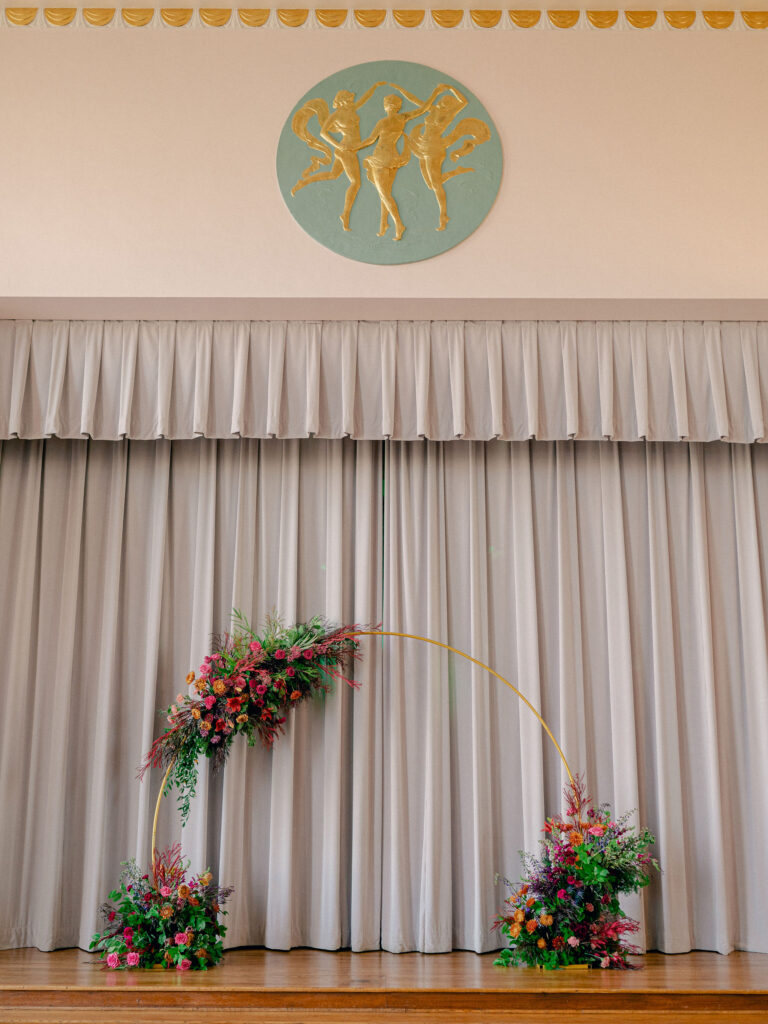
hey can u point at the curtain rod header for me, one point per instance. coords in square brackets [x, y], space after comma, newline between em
[440, 380]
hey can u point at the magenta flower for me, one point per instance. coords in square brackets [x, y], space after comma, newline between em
[561, 894]
[255, 645]
[261, 689]
[128, 934]
[111, 916]
[209, 702]
[290, 671]
[180, 938]
[309, 654]
[571, 880]
[279, 653]
[165, 891]
[113, 961]
[132, 960]
[183, 965]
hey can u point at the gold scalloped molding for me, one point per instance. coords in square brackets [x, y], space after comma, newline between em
[249, 17]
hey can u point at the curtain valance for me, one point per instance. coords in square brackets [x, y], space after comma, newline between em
[405, 380]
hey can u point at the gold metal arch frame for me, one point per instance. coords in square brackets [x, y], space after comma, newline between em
[406, 636]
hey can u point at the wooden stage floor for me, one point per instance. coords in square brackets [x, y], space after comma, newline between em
[313, 987]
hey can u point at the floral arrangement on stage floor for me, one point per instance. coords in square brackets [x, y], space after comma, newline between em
[247, 685]
[167, 919]
[566, 911]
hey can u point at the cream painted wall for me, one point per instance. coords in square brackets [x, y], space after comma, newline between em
[140, 162]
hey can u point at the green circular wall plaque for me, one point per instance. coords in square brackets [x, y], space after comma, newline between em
[389, 162]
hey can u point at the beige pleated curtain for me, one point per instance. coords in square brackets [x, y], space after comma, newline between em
[622, 586]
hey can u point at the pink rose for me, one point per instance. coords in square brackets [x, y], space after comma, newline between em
[128, 934]
[290, 671]
[279, 653]
[165, 891]
[573, 941]
[209, 702]
[113, 961]
[261, 689]
[180, 938]
[561, 894]
[597, 830]
[255, 645]
[309, 654]
[183, 965]
[605, 962]
[571, 880]
[132, 960]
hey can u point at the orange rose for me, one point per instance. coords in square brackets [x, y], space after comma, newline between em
[524, 889]
[242, 719]
[530, 901]
[519, 915]
[166, 911]
[190, 678]
[195, 712]
[296, 694]
[576, 838]
[545, 920]
[542, 943]
[530, 926]
[219, 686]
[183, 891]
[514, 930]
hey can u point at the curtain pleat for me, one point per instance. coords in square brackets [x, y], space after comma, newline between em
[621, 587]
[513, 380]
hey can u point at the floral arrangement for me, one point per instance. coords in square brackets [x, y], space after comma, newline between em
[167, 920]
[566, 911]
[247, 685]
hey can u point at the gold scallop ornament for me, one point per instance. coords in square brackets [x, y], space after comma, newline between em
[98, 16]
[60, 15]
[603, 19]
[485, 19]
[755, 19]
[215, 17]
[680, 19]
[718, 18]
[254, 17]
[176, 17]
[447, 18]
[370, 19]
[388, 162]
[137, 17]
[408, 19]
[525, 19]
[292, 17]
[331, 17]
[20, 15]
[563, 19]
[641, 19]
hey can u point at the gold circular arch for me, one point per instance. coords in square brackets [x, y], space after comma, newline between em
[406, 636]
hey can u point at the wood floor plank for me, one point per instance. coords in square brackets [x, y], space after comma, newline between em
[315, 987]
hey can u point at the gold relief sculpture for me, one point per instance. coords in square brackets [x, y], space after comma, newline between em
[338, 144]
[408, 18]
[641, 19]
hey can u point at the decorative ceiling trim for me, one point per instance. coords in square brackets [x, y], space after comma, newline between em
[353, 18]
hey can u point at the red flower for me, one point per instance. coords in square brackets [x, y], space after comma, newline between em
[309, 654]
[234, 703]
[219, 724]
[111, 915]
[279, 654]
[290, 671]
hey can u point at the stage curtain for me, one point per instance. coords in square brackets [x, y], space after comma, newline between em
[660, 381]
[622, 587]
